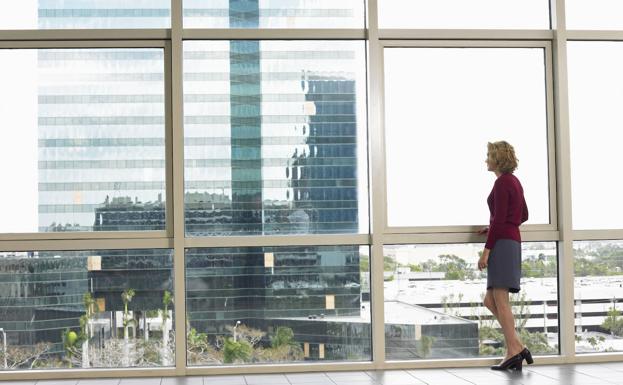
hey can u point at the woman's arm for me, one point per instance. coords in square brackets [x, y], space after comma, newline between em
[501, 198]
[524, 212]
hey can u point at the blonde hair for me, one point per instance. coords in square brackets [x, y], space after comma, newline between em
[502, 156]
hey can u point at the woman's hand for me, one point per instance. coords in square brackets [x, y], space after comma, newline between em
[484, 259]
[484, 230]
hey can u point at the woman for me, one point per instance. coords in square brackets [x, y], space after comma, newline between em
[502, 252]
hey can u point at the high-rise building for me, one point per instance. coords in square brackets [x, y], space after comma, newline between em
[102, 168]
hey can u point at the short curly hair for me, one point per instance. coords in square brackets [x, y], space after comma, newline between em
[502, 156]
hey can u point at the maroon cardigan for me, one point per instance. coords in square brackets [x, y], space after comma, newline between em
[508, 209]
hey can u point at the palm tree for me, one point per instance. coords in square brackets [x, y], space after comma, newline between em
[90, 308]
[167, 299]
[126, 297]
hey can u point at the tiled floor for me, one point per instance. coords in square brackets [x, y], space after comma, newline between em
[589, 374]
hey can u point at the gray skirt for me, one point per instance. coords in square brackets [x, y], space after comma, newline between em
[504, 266]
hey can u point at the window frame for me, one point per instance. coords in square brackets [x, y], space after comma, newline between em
[171, 39]
[550, 141]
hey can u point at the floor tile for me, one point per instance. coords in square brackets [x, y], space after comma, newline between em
[182, 381]
[224, 380]
[352, 376]
[610, 373]
[618, 366]
[18, 382]
[437, 376]
[394, 377]
[309, 378]
[102, 381]
[361, 381]
[266, 379]
[141, 381]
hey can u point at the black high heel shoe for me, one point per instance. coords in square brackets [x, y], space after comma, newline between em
[514, 363]
[527, 355]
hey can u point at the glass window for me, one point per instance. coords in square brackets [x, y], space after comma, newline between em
[265, 305]
[595, 83]
[87, 309]
[594, 14]
[478, 14]
[273, 14]
[83, 145]
[598, 295]
[433, 302]
[85, 14]
[275, 137]
[442, 106]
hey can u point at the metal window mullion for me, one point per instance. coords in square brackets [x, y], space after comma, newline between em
[94, 373]
[467, 229]
[376, 182]
[85, 244]
[551, 135]
[51, 44]
[177, 154]
[273, 34]
[68, 236]
[308, 366]
[594, 35]
[445, 238]
[563, 172]
[467, 43]
[168, 140]
[465, 34]
[590, 235]
[84, 34]
[276, 241]
[465, 362]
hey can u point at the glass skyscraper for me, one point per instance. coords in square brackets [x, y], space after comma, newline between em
[271, 149]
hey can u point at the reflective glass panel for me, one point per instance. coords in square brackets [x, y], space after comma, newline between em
[275, 137]
[594, 14]
[442, 106]
[87, 309]
[85, 14]
[434, 302]
[598, 294]
[262, 305]
[595, 97]
[464, 14]
[83, 142]
[273, 14]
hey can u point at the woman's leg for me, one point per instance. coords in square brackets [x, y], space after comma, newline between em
[489, 303]
[507, 321]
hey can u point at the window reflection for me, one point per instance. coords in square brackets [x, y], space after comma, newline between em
[285, 152]
[87, 309]
[277, 304]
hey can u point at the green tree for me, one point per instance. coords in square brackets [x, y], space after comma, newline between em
[126, 297]
[613, 322]
[536, 342]
[584, 267]
[389, 264]
[425, 346]
[456, 268]
[90, 309]
[236, 351]
[364, 264]
[416, 267]
[167, 300]
[284, 336]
